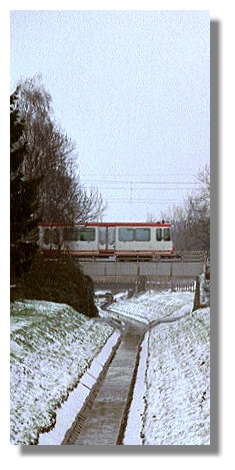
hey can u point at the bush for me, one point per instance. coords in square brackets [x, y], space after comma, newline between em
[57, 280]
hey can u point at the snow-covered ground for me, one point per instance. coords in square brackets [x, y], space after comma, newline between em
[52, 345]
[177, 394]
[154, 305]
[174, 392]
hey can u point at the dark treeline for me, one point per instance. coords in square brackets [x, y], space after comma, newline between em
[45, 185]
[23, 198]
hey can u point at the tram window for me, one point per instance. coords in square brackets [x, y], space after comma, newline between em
[55, 237]
[87, 235]
[51, 236]
[167, 234]
[46, 236]
[142, 234]
[159, 234]
[111, 235]
[126, 234]
[102, 235]
[71, 234]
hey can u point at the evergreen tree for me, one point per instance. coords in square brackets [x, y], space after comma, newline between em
[23, 198]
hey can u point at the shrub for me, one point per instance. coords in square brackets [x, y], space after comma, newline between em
[57, 279]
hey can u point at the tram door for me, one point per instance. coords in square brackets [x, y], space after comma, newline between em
[111, 238]
[106, 238]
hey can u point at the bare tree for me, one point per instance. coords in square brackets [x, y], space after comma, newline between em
[203, 178]
[52, 156]
[198, 212]
[191, 221]
[151, 218]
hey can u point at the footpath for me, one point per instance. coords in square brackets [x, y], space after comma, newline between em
[81, 398]
[95, 412]
[107, 417]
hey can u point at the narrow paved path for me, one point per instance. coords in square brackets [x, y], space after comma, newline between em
[102, 424]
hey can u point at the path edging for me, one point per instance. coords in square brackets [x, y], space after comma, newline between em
[131, 426]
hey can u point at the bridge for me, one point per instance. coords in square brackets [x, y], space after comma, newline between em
[123, 273]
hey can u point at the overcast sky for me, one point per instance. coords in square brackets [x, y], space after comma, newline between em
[131, 88]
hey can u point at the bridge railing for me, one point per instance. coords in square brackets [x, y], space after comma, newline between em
[150, 270]
[192, 256]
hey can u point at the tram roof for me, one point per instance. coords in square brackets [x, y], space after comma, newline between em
[107, 224]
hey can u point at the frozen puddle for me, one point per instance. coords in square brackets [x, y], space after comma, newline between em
[103, 422]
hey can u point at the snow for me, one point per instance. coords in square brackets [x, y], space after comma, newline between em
[177, 390]
[153, 305]
[171, 399]
[136, 412]
[57, 355]
[120, 295]
[102, 292]
[52, 346]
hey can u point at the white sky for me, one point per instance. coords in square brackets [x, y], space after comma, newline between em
[131, 88]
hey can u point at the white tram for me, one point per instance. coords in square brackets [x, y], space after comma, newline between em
[104, 239]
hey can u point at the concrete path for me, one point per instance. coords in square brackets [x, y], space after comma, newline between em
[102, 424]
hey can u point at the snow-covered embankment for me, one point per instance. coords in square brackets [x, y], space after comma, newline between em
[171, 404]
[52, 346]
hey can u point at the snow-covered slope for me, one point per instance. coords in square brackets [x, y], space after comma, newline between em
[51, 347]
[171, 404]
[153, 305]
[177, 394]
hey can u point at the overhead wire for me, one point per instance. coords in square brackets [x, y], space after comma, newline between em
[132, 188]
